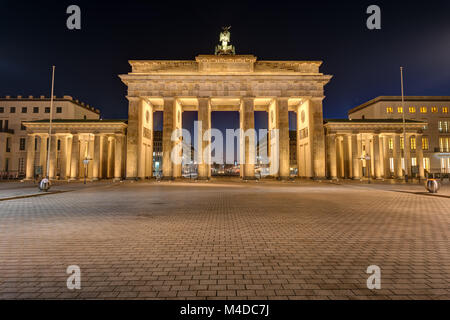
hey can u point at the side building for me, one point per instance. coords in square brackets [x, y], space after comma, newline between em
[15, 111]
[433, 110]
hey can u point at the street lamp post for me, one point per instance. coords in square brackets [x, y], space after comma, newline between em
[44, 185]
[404, 128]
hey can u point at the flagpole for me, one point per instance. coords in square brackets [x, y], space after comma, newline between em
[50, 126]
[404, 129]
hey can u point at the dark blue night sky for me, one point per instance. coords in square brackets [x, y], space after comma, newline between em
[365, 64]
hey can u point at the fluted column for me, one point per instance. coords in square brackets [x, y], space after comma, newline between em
[167, 135]
[43, 154]
[283, 127]
[63, 157]
[340, 157]
[111, 156]
[104, 157]
[30, 157]
[387, 170]
[397, 157]
[75, 157]
[419, 152]
[376, 156]
[332, 155]
[347, 156]
[356, 154]
[118, 157]
[248, 130]
[52, 159]
[204, 118]
[407, 155]
[96, 159]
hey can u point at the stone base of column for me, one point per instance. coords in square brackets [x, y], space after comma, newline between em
[203, 178]
[318, 178]
[95, 179]
[73, 179]
[114, 180]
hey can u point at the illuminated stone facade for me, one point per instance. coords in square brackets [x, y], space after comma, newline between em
[226, 83]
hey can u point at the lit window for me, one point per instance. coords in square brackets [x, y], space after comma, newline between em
[391, 144]
[426, 163]
[414, 162]
[402, 143]
[413, 143]
[424, 109]
[412, 109]
[400, 109]
[444, 144]
[443, 126]
[391, 164]
[425, 143]
[434, 109]
[444, 109]
[389, 110]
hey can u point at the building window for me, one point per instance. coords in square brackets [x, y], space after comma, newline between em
[443, 126]
[24, 109]
[35, 143]
[426, 164]
[424, 109]
[412, 109]
[22, 144]
[59, 145]
[391, 164]
[414, 162]
[413, 143]
[391, 144]
[58, 109]
[389, 110]
[35, 109]
[8, 144]
[444, 144]
[402, 143]
[22, 127]
[12, 110]
[2, 110]
[434, 109]
[425, 143]
[47, 109]
[400, 109]
[444, 109]
[21, 166]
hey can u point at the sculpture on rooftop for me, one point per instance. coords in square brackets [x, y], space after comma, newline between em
[224, 48]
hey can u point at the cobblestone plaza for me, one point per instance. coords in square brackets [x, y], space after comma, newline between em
[225, 240]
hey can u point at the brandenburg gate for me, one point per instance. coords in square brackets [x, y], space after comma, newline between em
[226, 82]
